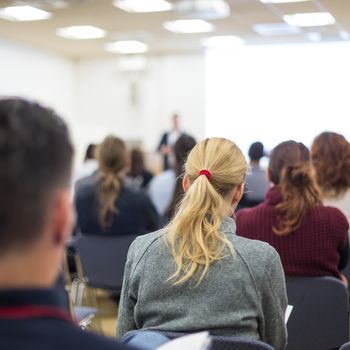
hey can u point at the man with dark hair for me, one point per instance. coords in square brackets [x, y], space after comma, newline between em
[35, 224]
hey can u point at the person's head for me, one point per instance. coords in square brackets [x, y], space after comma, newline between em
[182, 148]
[330, 154]
[90, 152]
[213, 183]
[137, 162]
[113, 162]
[176, 121]
[291, 170]
[35, 172]
[256, 152]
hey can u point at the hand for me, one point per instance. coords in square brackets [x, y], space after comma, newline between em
[166, 150]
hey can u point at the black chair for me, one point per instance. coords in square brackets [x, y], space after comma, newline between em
[103, 259]
[227, 342]
[346, 273]
[345, 347]
[320, 317]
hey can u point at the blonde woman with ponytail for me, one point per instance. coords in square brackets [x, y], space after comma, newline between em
[311, 238]
[104, 205]
[196, 274]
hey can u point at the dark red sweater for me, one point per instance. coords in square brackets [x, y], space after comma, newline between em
[314, 249]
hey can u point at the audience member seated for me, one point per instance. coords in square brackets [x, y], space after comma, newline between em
[331, 158]
[90, 164]
[256, 183]
[197, 274]
[36, 216]
[138, 177]
[105, 206]
[165, 189]
[310, 238]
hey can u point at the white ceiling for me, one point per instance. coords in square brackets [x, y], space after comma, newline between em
[147, 27]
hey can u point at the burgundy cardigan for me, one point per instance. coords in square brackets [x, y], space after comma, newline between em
[314, 249]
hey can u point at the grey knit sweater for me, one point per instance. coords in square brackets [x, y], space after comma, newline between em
[241, 297]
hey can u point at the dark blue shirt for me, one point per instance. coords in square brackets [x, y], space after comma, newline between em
[136, 213]
[22, 330]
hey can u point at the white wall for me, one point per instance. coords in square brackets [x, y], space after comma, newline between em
[278, 92]
[95, 98]
[38, 75]
[169, 84]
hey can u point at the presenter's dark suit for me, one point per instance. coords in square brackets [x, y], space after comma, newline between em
[164, 141]
[32, 320]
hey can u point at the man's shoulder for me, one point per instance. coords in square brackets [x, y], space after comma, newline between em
[40, 334]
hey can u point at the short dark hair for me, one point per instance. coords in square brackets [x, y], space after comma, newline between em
[90, 152]
[35, 159]
[256, 151]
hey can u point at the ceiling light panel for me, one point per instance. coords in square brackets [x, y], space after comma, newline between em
[81, 32]
[188, 26]
[127, 47]
[143, 5]
[24, 13]
[312, 19]
[275, 29]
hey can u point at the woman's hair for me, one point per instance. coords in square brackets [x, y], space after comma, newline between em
[112, 158]
[330, 154]
[193, 235]
[137, 163]
[182, 148]
[291, 170]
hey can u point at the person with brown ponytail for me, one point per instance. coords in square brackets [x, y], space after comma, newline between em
[330, 154]
[104, 205]
[196, 273]
[310, 238]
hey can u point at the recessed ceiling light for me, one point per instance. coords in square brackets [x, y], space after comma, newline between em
[281, 1]
[24, 13]
[275, 29]
[143, 5]
[127, 47]
[203, 9]
[81, 32]
[189, 26]
[222, 42]
[312, 19]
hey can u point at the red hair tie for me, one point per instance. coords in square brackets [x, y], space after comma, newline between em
[206, 173]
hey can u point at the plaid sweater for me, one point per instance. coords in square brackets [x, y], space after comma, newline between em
[317, 248]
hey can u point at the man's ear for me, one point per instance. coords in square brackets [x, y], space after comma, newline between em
[185, 183]
[238, 194]
[62, 217]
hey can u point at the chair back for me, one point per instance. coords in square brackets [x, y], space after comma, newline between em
[103, 259]
[346, 273]
[320, 317]
[345, 347]
[227, 342]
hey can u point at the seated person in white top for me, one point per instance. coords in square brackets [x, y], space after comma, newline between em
[165, 189]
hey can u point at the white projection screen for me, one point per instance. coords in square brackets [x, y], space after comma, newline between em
[278, 92]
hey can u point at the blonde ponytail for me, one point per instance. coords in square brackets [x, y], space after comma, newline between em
[193, 235]
[112, 158]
